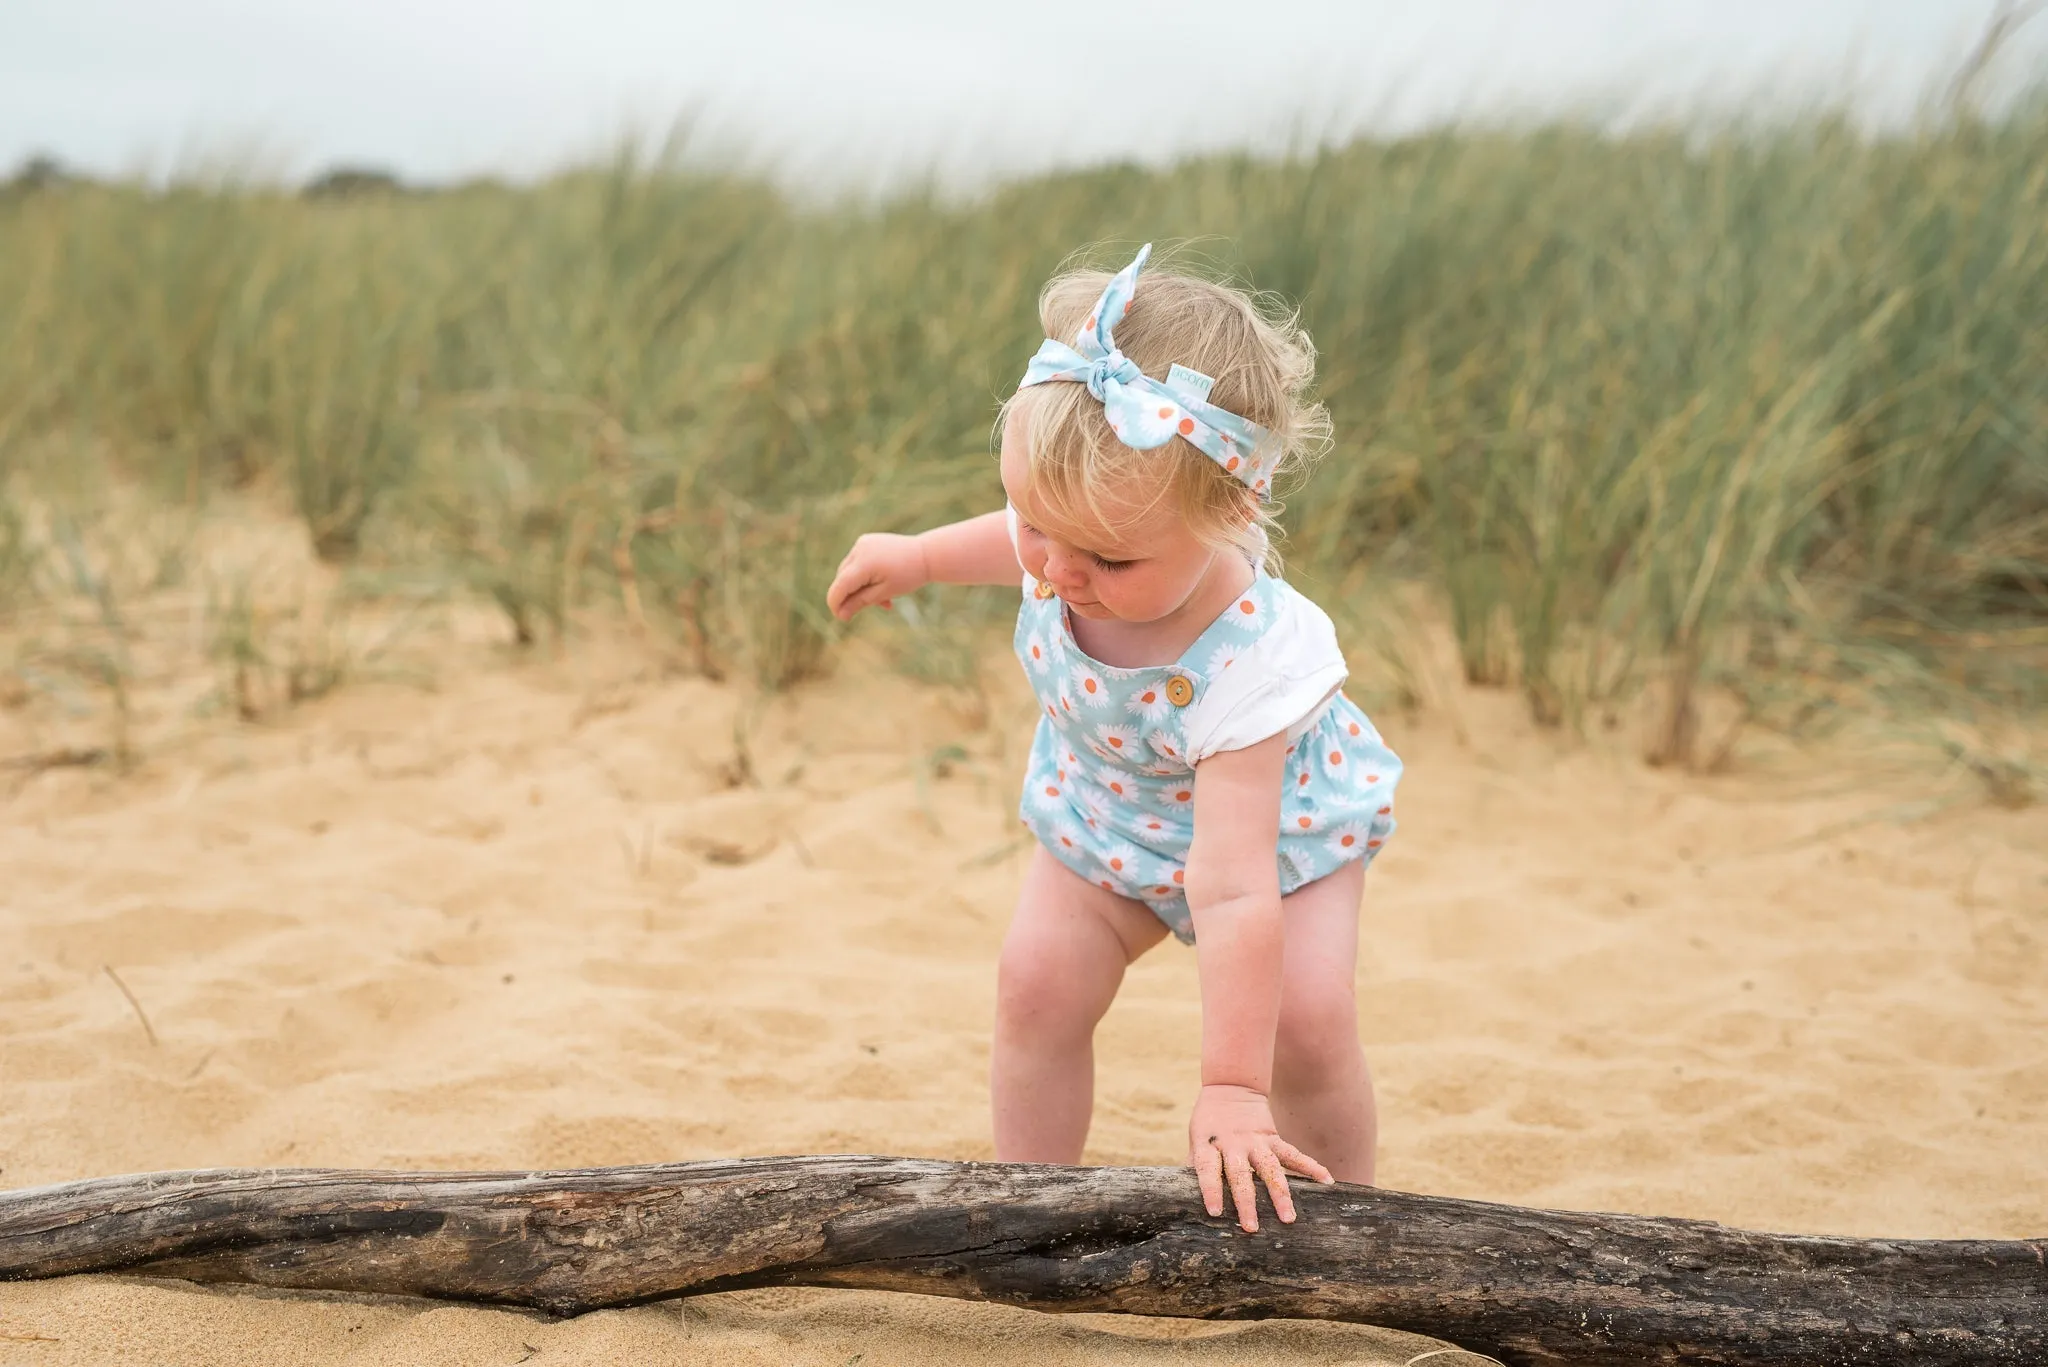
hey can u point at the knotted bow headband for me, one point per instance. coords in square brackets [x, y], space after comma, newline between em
[1144, 412]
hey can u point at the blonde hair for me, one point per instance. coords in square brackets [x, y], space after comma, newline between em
[1263, 365]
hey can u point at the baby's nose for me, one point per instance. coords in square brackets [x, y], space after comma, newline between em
[1065, 571]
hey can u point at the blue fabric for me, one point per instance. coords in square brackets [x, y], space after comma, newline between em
[1108, 789]
[1144, 412]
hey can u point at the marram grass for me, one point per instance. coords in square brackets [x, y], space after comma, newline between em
[1663, 408]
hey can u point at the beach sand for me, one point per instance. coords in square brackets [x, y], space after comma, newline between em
[549, 913]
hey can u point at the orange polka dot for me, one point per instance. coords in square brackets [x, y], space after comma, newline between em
[1230, 464]
[1372, 778]
[1062, 773]
[1336, 757]
[1115, 742]
[1091, 320]
[1373, 844]
[1116, 788]
[1148, 697]
[1161, 891]
[1037, 654]
[1088, 684]
[1348, 841]
[1109, 885]
[1247, 607]
[1183, 795]
[1301, 782]
[1304, 822]
[1385, 810]
[1355, 729]
[1051, 791]
[1166, 412]
[1117, 864]
[1068, 841]
[1179, 877]
[1187, 427]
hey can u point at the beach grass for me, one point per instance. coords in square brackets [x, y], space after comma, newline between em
[1759, 410]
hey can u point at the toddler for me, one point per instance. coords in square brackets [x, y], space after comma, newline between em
[1196, 768]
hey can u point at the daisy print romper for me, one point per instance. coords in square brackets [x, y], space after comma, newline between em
[1110, 786]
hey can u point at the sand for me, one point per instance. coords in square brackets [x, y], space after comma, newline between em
[526, 919]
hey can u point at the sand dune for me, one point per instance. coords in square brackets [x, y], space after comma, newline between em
[528, 919]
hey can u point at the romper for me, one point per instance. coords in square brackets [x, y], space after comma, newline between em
[1110, 785]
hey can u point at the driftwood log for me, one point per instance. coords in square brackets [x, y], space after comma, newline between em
[1525, 1286]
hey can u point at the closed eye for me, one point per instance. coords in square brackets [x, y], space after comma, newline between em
[1102, 564]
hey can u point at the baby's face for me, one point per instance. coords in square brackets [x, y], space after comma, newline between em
[1137, 567]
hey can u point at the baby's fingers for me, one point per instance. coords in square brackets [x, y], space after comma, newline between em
[851, 598]
[1275, 1178]
[1209, 1174]
[1244, 1191]
[1294, 1160]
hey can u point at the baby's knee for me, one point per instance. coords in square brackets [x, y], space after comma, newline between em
[1317, 1034]
[1038, 991]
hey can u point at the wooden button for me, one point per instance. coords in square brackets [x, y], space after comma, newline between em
[1179, 691]
[1044, 590]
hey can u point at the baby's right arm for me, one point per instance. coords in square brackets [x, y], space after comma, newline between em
[882, 565]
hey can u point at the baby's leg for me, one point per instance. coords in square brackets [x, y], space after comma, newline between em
[1322, 1094]
[1062, 962]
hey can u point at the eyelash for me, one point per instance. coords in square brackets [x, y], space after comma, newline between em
[1100, 563]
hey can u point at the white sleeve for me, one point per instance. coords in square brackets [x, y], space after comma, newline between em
[1282, 682]
[1010, 521]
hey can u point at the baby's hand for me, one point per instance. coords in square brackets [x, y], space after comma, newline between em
[1232, 1136]
[878, 568]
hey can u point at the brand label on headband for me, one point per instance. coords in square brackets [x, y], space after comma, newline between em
[1189, 384]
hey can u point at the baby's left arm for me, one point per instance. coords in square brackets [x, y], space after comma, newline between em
[1233, 887]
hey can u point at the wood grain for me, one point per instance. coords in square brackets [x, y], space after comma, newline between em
[1526, 1286]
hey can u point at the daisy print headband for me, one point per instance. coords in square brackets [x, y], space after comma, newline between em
[1144, 412]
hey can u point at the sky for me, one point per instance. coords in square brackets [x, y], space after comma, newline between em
[870, 93]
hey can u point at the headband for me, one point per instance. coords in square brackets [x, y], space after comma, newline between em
[1144, 412]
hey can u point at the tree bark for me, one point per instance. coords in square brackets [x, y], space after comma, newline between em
[1526, 1286]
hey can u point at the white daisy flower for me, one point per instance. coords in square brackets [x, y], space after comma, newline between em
[1247, 614]
[1150, 703]
[1122, 741]
[1067, 837]
[1361, 730]
[1117, 784]
[1122, 859]
[1301, 823]
[1162, 744]
[1178, 797]
[1037, 653]
[1335, 762]
[1088, 688]
[1346, 841]
[1222, 658]
[1048, 795]
[1088, 803]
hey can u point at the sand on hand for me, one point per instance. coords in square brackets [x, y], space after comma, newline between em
[526, 919]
